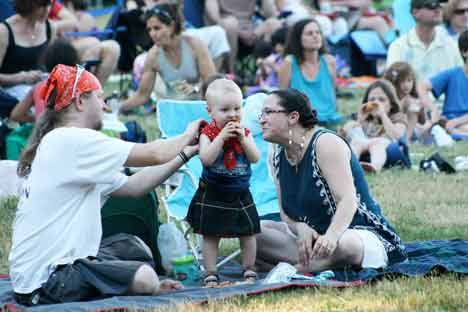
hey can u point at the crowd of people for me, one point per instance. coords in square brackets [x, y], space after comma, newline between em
[329, 216]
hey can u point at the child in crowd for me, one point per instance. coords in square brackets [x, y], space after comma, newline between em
[403, 78]
[378, 136]
[269, 57]
[223, 205]
[61, 51]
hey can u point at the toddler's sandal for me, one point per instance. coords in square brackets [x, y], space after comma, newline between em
[211, 279]
[250, 276]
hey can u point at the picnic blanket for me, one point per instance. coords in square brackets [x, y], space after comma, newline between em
[425, 257]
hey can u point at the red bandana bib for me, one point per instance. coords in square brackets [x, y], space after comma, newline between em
[231, 147]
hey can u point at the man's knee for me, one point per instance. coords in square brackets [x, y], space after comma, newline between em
[146, 281]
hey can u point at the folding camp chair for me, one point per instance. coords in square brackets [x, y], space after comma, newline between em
[137, 216]
[111, 30]
[404, 20]
[173, 116]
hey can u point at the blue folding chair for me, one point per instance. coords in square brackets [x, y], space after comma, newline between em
[173, 116]
[404, 21]
[6, 9]
[369, 43]
[111, 29]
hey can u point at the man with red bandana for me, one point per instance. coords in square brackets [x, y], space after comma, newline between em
[70, 170]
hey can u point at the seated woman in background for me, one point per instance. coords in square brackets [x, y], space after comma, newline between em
[183, 62]
[23, 38]
[378, 137]
[61, 51]
[329, 217]
[309, 69]
[72, 17]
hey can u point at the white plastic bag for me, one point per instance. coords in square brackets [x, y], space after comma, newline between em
[10, 183]
[171, 244]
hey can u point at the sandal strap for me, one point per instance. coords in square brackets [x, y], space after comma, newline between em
[250, 274]
[211, 277]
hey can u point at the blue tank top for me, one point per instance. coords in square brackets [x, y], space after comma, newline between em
[234, 180]
[188, 69]
[320, 91]
[18, 58]
[306, 197]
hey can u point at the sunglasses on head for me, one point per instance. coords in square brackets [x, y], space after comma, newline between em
[79, 71]
[433, 5]
[163, 15]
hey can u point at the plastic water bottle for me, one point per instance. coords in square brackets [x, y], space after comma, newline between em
[441, 137]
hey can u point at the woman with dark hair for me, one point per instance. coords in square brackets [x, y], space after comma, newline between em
[378, 137]
[183, 62]
[329, 217]
[23, 38]
[309, 69]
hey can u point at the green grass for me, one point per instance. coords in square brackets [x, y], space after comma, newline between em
[421, 206]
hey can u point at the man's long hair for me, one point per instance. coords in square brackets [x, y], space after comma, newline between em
[48, 121]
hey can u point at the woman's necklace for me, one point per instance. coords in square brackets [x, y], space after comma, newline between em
[299, 154]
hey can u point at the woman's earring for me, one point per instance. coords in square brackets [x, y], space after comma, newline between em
[290, 137]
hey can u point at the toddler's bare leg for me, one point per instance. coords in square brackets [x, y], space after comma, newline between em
[210, 252]
[248, 246]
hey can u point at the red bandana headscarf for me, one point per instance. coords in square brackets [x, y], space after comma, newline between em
[231, 147]
[62, 79]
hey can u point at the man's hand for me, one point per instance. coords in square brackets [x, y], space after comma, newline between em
[192, 131]
[305, 241]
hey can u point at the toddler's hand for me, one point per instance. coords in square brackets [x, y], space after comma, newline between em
[229, 131]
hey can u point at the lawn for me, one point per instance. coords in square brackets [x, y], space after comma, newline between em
[422, 206]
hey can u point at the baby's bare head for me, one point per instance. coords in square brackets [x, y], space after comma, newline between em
[222, 90]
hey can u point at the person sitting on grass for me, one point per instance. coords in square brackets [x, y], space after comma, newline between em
[453, 83]
[223, 205]
[378, 137]
[329, 217]
[403, 78]
[70, 170]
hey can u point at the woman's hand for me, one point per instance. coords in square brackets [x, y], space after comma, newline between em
[29, 77]
[325, 245]
[306, 237]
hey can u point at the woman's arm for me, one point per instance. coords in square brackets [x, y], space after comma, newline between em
[393, 130]
[143, 94]
[202, 55]
[21, 112]
[284, 73]
[334, 160]
[331, 62]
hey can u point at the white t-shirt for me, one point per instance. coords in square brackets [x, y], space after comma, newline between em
[59, 213]
[441, 54]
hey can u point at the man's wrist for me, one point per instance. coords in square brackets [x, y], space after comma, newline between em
[183, 156]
